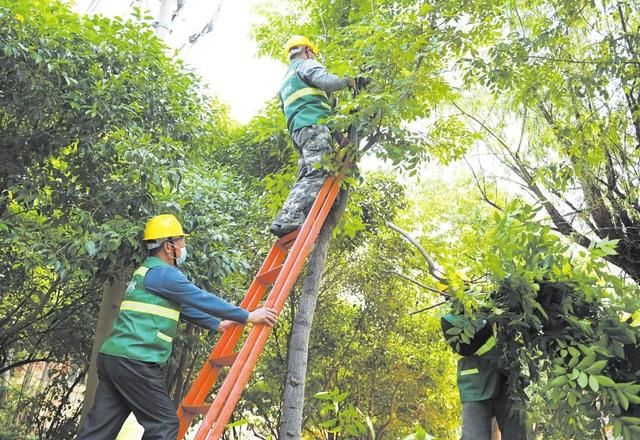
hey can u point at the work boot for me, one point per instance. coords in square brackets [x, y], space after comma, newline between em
[284, 224]
[282, 229]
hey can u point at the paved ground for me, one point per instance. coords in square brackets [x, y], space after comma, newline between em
[131, 430]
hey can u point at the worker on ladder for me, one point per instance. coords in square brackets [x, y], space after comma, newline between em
[130, 379]
[304, 95]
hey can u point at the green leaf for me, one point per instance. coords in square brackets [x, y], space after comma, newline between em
[586, 362]
[329, 423]
[605, 381]
[583, 380]
[574, 374]
[91, 248]
[604, 247]
[237, 423]
[593, 383]
[353, 430]
[622, 399]
[571, 399]
[632, 398]
[596, 367]
[558, 381]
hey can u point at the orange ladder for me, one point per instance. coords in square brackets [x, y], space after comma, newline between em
[272, 272]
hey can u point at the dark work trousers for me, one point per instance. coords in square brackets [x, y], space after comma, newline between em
[478, 416]
[125, 386]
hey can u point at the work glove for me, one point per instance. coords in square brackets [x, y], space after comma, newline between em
[362, 82]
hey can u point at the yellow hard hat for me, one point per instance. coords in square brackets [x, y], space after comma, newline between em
[163, 226]
[299, 40]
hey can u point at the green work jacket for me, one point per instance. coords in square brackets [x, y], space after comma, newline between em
[146, 324]
[477, 378]
[303, 105]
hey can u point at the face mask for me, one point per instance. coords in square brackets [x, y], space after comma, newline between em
[183, 255]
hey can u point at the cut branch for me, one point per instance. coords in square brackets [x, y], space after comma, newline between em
[432, 268]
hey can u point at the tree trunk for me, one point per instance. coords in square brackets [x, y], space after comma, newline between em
[26, 380]
[44, 376]
[109, 307]
[5, 377]
[179, 376]
[293, 398]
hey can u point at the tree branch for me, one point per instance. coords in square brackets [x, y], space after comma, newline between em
[431, 265]
[418, 283]
[26, 362]
[428, 308]
[482, 189]
[563, 60]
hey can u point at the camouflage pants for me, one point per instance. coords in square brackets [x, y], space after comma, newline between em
[313, 143]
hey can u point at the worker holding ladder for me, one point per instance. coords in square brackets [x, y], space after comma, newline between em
[130, 379]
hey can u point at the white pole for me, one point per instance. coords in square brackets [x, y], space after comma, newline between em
[163, 24]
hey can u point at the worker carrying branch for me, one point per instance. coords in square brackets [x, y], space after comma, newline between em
[130, 379]
[304, 94]
[484, 389]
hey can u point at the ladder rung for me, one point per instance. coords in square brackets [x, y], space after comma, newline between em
[287, 241]
[224, 361]
[270, 276]
[196, 409]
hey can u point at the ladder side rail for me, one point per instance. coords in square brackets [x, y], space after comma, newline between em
[208, 374]
[250, 302]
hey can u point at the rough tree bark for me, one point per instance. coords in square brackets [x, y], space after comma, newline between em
[293, 398]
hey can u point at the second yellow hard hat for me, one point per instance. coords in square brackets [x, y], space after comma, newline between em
[299, 40]
[163, 226]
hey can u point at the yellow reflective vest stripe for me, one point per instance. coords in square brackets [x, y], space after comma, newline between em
[304, 92]
[151, 309]
[491, 342]
[142, 271]
[164, 337]
[469, 371]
